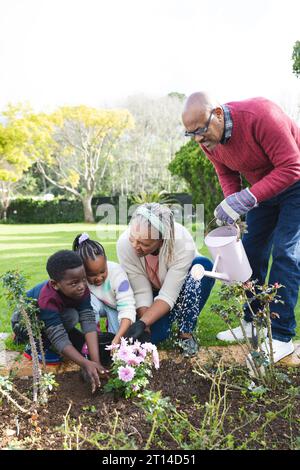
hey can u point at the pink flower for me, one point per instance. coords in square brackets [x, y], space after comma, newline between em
[140, 359]
[142, 353]
[133, 360]
[124, 354]
[124, 342]
[155, 358]
[136, 346]
[148, 347]
[112, 347]
[126, 373]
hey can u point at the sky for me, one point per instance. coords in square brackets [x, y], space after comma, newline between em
[99, 52]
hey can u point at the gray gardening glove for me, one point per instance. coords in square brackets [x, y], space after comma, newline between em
[235, 205]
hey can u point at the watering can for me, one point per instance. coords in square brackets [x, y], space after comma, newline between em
[230, 260]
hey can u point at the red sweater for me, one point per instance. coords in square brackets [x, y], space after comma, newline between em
[264, 147]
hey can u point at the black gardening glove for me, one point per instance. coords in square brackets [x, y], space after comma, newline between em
[135, 330]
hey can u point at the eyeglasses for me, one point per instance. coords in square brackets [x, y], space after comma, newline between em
[200, 130]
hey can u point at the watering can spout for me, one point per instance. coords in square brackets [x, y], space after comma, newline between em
[198, 272]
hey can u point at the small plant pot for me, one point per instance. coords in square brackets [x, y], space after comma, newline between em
[105, 339]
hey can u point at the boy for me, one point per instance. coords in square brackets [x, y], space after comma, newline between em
[63, 301]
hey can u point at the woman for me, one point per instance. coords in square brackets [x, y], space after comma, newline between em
[157, 255]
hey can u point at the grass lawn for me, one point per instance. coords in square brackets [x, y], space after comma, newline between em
[27, 247]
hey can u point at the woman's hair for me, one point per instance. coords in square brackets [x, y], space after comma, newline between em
[87, 248]
[162, 219]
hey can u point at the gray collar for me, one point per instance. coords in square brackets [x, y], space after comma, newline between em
[228, 125]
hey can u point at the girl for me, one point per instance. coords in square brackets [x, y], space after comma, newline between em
[111, 294]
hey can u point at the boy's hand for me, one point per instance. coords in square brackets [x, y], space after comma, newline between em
[104, 373]
[93, 371]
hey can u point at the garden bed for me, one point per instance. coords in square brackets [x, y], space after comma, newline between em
[74, 418]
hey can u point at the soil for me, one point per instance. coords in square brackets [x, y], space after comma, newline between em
[175, 378]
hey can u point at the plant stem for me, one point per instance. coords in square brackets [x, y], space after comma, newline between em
[149, 440]
[35, 359]
[41, 345]
[9, 398]
[269, 327]
[247, 353]
[20, 395]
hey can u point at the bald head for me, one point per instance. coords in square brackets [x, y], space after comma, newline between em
[203, 119]
[195, 107]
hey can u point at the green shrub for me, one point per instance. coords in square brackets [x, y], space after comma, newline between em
[31, 211]
[191, 164]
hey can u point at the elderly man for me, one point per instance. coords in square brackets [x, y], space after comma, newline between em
[256, 139]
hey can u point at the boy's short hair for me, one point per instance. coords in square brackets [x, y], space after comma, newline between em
[60, 261]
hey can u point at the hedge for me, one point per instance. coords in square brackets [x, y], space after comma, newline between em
[26, 210]
[31, 211]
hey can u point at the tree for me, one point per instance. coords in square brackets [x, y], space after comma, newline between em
[16, 156]
[191, 164]
[33, 183]
[82, 146]
[296, 59]
[140, 164]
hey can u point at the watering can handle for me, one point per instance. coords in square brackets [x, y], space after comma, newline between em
[235, 224]
[238, 235]
[208, 225]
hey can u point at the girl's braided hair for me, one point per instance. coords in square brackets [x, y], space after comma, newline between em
[87, 248]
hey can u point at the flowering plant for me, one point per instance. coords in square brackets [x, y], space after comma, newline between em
[132, 364]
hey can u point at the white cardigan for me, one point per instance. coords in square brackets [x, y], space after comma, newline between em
[116, 292]
[171, 276]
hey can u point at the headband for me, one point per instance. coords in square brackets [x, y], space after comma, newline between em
[152, 218]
